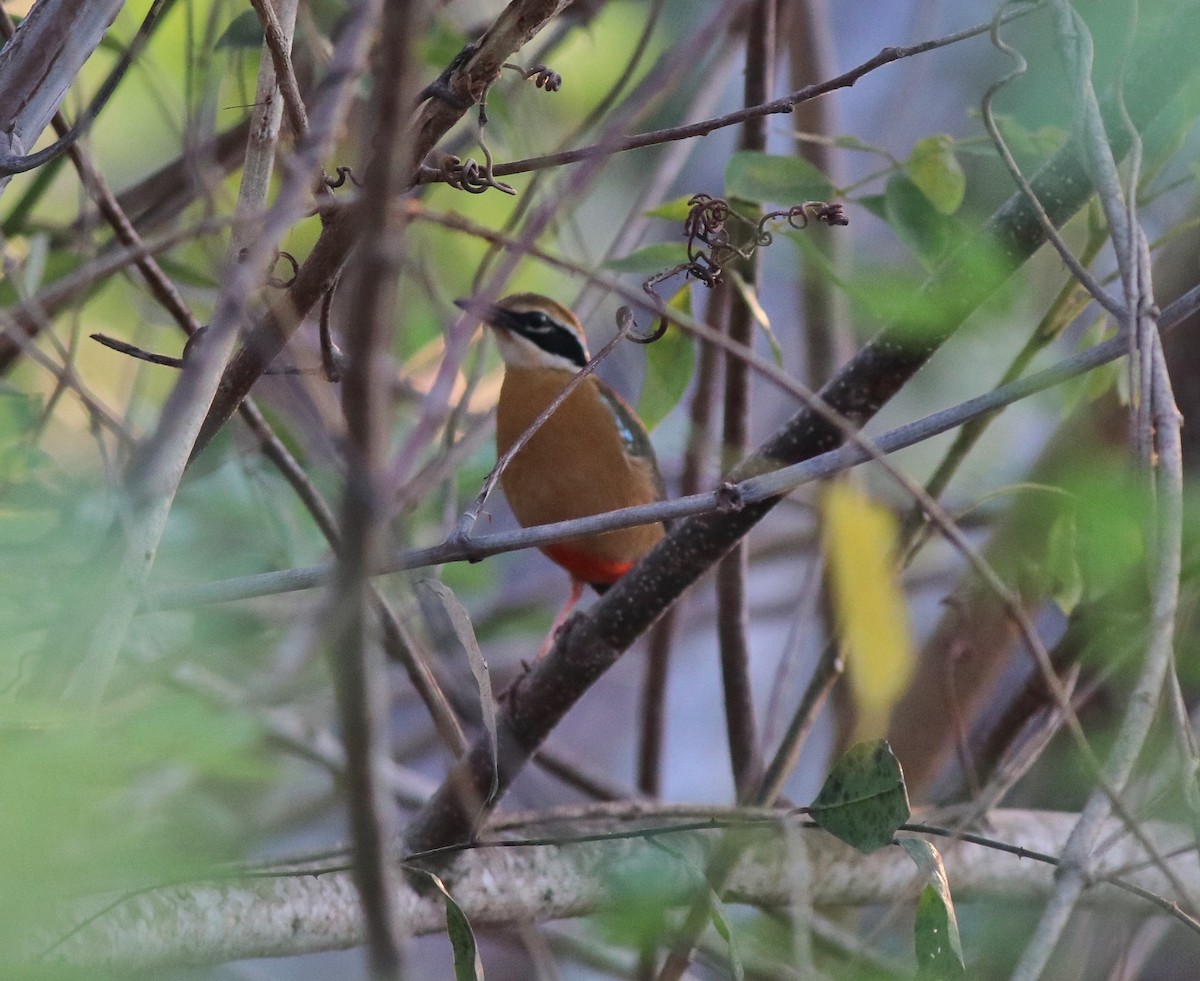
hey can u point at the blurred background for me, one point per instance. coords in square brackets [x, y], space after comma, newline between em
[218, 741]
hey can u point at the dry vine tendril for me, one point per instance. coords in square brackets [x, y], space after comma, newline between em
[544, 77]
[710, 246]
[708, 223]
[467, 175]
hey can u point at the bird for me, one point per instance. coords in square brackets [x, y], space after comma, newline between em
[592, 455]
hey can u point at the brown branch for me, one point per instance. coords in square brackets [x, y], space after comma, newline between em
[359, 668]
[654, 687]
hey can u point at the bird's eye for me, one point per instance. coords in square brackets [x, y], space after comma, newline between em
[540, 322]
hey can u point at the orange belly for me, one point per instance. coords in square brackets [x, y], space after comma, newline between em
[592, 569]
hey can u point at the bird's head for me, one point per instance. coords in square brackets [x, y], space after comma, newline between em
[534, 331]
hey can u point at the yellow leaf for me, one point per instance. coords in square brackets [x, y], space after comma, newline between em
[859, 538]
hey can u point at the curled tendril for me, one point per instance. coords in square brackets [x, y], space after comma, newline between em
[829, 214]
[710, 244]
[706, 218]
[332, 359]
[543, 76]
[343, 173]
[625, 322]
[467, 175]
[283, 284]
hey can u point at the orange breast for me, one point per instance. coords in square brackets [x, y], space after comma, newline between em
[575, 465]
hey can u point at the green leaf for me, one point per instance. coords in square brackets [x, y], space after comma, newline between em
[467, 965]
[914, 220]
[876, 204]
[244, 31]
[650, 892]
[749, 295]
[933, 166]
[19, 412]
[864, 799]
[143, 790]
[670, 362]
[675, 210]
[52, 266]
[1028, 144]
[939, 947]
[764, 177]
[1110, 543]
[650, 258]
[442, 40]
[33, 271]
[890, 295]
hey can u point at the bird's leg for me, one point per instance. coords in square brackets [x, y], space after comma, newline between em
[561, 618]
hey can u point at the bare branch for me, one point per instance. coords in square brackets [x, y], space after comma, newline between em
[298, 912]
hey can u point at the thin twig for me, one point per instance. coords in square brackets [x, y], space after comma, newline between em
[828, 670]
[695, 460]
[277, 39]
[785, 105]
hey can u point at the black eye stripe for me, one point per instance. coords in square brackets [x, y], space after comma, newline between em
[548, 334]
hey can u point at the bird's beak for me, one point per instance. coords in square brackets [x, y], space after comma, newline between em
[489, 313]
